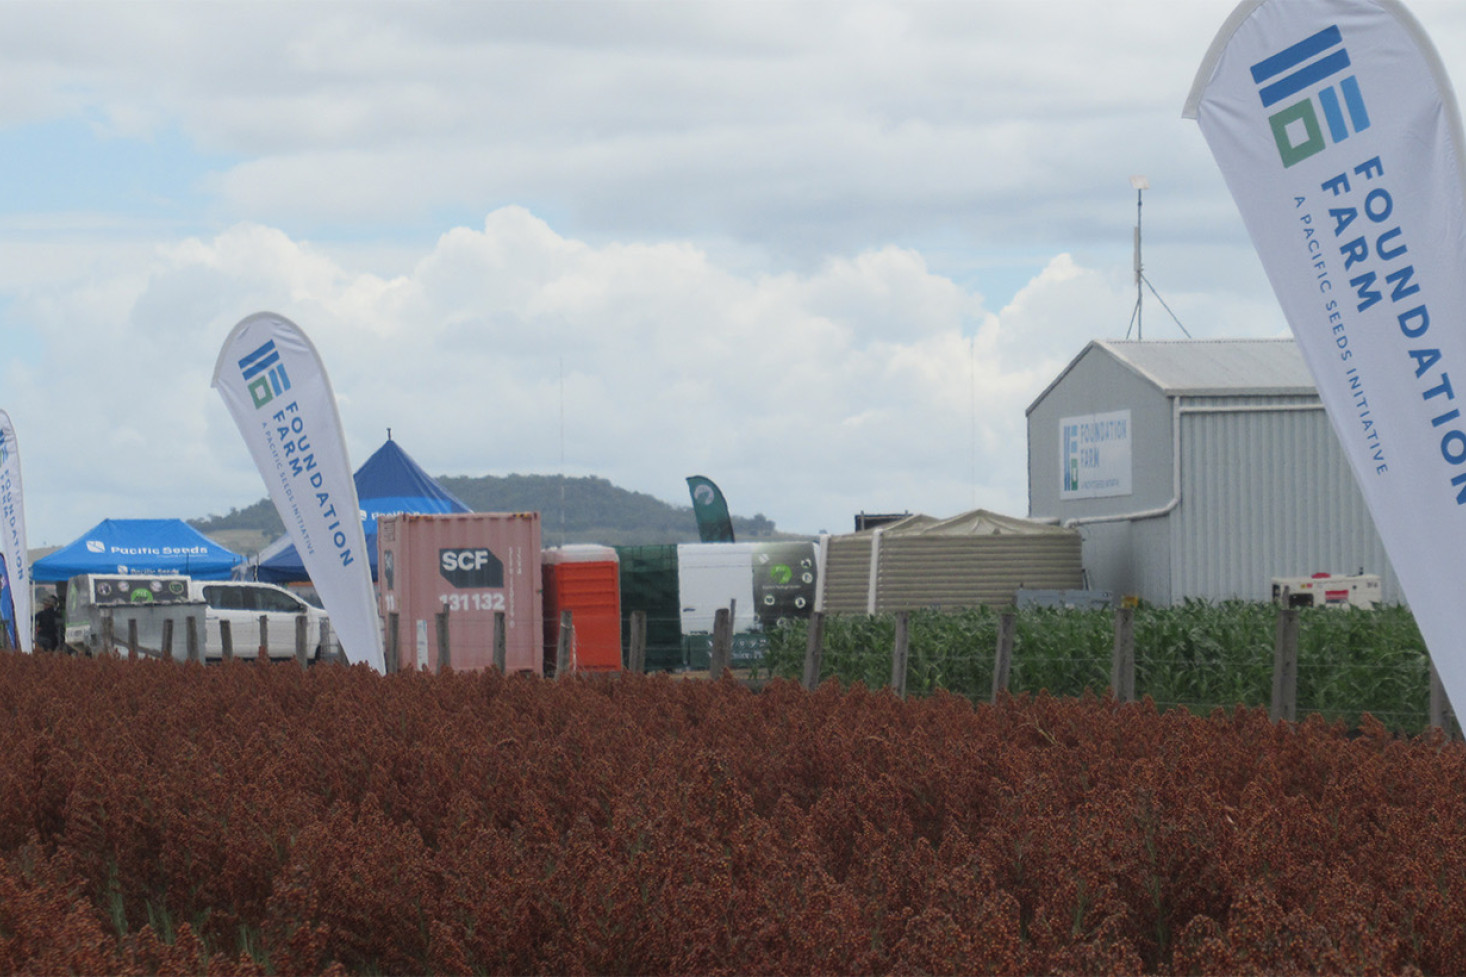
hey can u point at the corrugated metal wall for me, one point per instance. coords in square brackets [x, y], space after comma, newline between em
[847, 574]
[1128, 559]
[1097, 384]
[1265, 489]
[948, 571]
[956, 572]
[1265, 493]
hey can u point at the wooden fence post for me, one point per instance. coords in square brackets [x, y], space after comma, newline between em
[564, 644]
[900, 653]
[167, 639]
[636, 655]
[720, 655]
[1003, 656]
[109, 642]
[132, 639]
[302, 634]
[1285, 666]
[814, 650]
[394, 652]
[728, 636]
[501, 642]
[264, 655]
[191, 640]
[445, 657]
[326, 641]
[1442, 716]
[1122, 663]
[226, 640]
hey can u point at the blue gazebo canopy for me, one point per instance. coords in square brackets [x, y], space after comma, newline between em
[138, 546]
[388, 482]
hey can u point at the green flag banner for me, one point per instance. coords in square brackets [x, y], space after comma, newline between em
[714, 525]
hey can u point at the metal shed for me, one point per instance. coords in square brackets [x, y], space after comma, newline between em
[976, 558]
[1198, 469]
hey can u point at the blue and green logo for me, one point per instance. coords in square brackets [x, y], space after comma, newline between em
[1070, 437]
[264, 374]
[1304, 68]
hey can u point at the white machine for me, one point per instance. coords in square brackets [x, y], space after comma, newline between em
[1328, 590]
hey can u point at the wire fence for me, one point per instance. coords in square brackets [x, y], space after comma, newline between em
[1197, 656]
[1345, 663]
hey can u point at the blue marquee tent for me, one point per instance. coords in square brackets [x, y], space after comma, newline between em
[138, 546]
[388, 482]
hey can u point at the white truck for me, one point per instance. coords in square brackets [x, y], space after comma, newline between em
[146, 607]
[150, 600]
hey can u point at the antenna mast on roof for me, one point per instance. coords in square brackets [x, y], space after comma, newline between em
[562, 451]
[1141, 184]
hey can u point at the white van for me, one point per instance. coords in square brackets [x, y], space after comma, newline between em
[243, 603]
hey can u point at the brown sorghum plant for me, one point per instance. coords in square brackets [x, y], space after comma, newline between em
[163, 818]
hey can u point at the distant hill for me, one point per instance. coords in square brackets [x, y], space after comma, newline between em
[572, 510]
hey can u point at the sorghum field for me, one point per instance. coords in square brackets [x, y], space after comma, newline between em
[162, 818]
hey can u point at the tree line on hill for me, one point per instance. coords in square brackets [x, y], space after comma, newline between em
[572, 510]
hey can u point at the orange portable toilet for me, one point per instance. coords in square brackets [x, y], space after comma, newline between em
[584, 579]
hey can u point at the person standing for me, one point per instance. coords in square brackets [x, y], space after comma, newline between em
[48, 626]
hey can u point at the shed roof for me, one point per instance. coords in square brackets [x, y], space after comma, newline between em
[978, 522]
[1207, 367]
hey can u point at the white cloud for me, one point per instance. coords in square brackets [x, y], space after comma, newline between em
[825, 253]
[809, 128]
[872, 384]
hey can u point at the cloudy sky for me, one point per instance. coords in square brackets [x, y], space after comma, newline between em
[824, 253]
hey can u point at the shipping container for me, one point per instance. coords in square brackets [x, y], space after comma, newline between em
[472, 565]
[584, 580]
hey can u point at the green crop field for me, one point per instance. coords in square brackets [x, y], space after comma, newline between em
[1198, 655]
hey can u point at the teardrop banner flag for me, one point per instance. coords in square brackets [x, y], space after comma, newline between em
[1338, 134]
[12, 536]
[714, 525]
[273, 382]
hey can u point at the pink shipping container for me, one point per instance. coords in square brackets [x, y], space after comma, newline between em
[584, 579]
[472, 564]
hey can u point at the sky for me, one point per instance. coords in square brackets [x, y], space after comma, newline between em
[825, 254]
